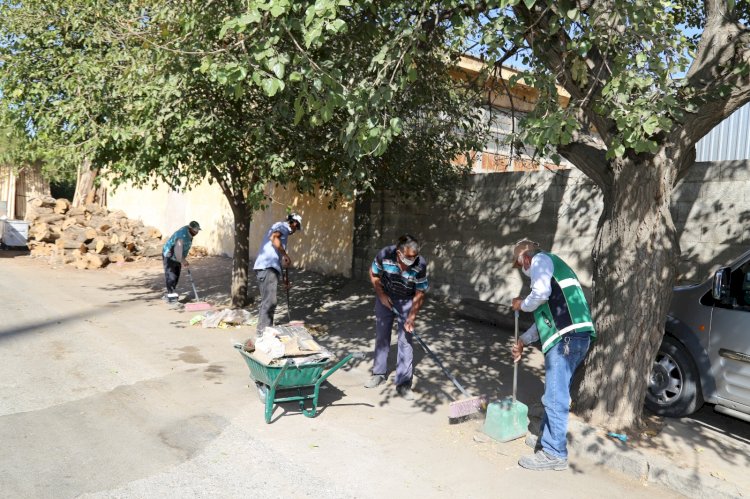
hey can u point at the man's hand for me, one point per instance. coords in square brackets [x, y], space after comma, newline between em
[516, 303]
[185, 264]
[517, 351]
[409, 324]
[286, 262]
[385, 300]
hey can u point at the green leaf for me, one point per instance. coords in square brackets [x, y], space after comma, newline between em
[277, 10]
[271, 86]
[338, 25]
[650, 125]
[278, 69]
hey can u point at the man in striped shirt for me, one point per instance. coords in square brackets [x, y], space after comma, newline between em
[399, 277]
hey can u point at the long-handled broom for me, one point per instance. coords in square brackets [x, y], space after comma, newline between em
[507, 419]
[197, 305]
[459, 408]
[286, 286]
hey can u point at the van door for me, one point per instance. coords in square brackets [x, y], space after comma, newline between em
[729, 342]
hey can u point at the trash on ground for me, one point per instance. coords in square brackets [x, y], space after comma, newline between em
[619, 436]
[227, 316]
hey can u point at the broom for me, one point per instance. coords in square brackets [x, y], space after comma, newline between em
[459, 408]
[197, 305]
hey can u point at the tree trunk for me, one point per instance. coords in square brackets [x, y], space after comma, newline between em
[85, 189]
[635, 257]
[241, 258]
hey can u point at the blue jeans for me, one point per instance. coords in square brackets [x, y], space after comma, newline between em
[383, 324]
[560, 362]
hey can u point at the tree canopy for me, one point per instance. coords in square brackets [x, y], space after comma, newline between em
[166, 92]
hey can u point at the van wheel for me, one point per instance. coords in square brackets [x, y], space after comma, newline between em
[674, 384]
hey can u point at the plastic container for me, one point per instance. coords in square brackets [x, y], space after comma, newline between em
[14, 233]
[506, 420]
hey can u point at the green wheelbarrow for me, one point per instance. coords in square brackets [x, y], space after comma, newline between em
[289, 376]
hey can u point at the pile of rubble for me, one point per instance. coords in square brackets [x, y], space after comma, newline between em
[88, 237]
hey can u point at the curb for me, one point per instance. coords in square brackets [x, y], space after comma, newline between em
[590, 443]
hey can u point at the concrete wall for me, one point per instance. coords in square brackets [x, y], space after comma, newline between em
[467, 237]
[325, 244]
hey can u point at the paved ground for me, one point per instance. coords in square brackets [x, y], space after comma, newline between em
[107, 392]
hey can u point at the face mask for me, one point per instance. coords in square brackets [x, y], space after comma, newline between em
[407, 261]
[526, 272]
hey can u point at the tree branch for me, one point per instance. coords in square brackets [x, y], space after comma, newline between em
[724, 46]
[588, 153]
[554, 55]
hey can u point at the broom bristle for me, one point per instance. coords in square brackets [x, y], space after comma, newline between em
[466, 407]
[195, 307]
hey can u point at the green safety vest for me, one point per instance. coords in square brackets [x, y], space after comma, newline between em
[566, 310]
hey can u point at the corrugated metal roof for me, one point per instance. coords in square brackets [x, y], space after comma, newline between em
[729, 141]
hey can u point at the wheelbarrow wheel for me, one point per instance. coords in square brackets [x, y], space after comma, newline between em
[262, 390]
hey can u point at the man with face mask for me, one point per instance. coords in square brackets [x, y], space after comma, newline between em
[174, 256]
[399, 277]
[563, 325]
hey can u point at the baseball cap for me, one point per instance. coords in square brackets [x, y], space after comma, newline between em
[194, 225]
[297, 218]
[522, 246]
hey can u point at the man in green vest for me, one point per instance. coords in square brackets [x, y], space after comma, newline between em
[563, 326]
[174, 256]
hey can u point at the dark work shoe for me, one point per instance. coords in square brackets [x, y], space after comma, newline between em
[376, 380]
[541, 461]
[404, 391]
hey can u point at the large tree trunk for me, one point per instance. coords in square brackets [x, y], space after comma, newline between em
[242, 212]
[241, 258]
[635, 258]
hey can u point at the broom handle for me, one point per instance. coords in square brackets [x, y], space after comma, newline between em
[515, 364]
[286, 285]
[190, 275]
[440, 364]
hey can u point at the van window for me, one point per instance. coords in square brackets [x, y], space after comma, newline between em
[739, 288]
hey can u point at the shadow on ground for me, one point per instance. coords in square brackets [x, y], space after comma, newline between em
[340, 311]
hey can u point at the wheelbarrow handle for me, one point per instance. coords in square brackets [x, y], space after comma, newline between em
[515, 364]
[338, 365]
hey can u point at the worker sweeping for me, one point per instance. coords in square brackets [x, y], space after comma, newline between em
[174, 256]
[563, 324]
[272, 257]
[399, 277]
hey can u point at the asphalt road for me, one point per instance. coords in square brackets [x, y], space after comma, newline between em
[106, 392]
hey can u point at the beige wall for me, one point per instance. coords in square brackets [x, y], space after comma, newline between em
[324, 245]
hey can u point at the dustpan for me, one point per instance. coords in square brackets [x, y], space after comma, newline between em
[507, 419]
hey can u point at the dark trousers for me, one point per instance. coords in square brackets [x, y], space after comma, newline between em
[383, 325]
[172, 270]
[268, 283]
